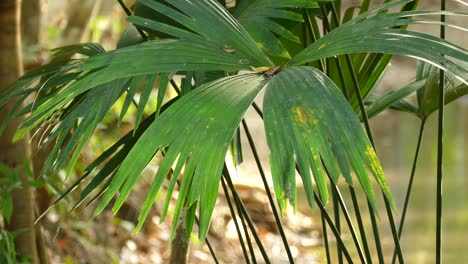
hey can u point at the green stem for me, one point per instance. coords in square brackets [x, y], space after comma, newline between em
[257, 109]
[210, 247]
[323, 211]
[410, 185]
[388, 208]
[352, 192]
[227, 178]
[313, 35]
[174, 86]
[333, 228]
[267, 190]
[440, 148]
[322, 67]
[234, 218]
[351, 189]
[336, 213]
[360, 224]
[375, 229]
[246, 232]
[325, 238]
[341, 202]
[244, 226]
[128, 13]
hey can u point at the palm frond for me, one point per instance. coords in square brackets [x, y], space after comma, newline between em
[260, 19]
[209, 19]
[301, 126]
[378, 34]
[148, 58]
[196, 131]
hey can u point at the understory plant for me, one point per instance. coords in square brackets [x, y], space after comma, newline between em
[318, 66]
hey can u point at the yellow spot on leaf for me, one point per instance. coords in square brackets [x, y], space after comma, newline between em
[302, 115]
[322, 46]
[375, 166]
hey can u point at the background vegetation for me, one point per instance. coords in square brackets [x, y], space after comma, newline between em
[305, 233]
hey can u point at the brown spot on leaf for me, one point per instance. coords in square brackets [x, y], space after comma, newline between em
[304, 115]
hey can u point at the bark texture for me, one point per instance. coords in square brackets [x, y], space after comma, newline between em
[180, 243]
[13, 154]
[31, 33]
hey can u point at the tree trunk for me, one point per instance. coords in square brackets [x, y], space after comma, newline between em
[31, 22]
[31, 33]
[13, 154]
[180, 243]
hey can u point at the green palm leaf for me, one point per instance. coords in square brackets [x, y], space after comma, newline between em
[428, 97]
[378, 34]
[196, 131]
[144, 59]
[301, 124]
[303, 108]
[427, 87]
[53, 75]
[260, 19]
[212, 21]
[377, 104]
[84, 116]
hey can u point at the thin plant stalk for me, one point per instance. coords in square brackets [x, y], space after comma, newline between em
[355, 81]
[244, 226]
[353, 194]
[410, 185]
[268, 192]
[325, 239]
[360, 223]
[375, 230]
[246, 230]
[333, 228]
[336, 213]
[175, 86]
[310, 27]
[247, 236]
[323, 211]
[336, 192]
[234, 218]
[128, 13]
[440, 148]
[226, 177]
[351, 190]
[210, 248]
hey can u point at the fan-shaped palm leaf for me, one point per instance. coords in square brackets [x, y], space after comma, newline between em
[199, 139]
[367, 33]
[307, 120]
[209, 19]
[258, 17]
[301, 125]
[170, 55]
[427, 87]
